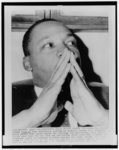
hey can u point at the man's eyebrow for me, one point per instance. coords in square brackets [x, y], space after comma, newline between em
[47, 37]
[43, 38]
[71, 35]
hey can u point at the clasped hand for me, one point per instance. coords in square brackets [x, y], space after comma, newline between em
[85, 107]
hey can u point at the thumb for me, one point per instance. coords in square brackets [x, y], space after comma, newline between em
[69, 107]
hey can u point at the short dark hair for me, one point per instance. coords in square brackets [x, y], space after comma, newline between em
[26, 38]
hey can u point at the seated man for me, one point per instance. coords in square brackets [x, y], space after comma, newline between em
[58, 92]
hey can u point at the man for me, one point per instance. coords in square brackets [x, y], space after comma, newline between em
[50, 54]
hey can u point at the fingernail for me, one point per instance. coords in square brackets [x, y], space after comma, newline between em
[71, 56]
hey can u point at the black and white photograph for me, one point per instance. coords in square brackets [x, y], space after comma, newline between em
[60, 74]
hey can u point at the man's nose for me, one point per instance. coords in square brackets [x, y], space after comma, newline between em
[63, 48]
[60, 52]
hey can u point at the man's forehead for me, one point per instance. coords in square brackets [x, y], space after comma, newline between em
[49, 27]
[50, 23]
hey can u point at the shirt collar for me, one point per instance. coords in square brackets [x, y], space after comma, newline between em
[38, 90]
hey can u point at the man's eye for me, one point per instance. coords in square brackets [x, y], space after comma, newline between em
[71, 43]
[48, 45]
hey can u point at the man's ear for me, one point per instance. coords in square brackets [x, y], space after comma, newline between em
[27, 64]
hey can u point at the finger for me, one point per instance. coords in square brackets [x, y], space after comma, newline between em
[58, 84]
[62, 58]
[77, 78]
[69, 107]
[78, 69]
[59, 63]
[62, 77]
[61, 68]
[74, 73]
[74, 63]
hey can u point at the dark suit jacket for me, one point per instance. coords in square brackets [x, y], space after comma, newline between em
[23, 97]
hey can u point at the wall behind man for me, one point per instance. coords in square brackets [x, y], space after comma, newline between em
[97, 43]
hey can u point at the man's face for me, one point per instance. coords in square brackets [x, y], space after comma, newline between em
[48, 42]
